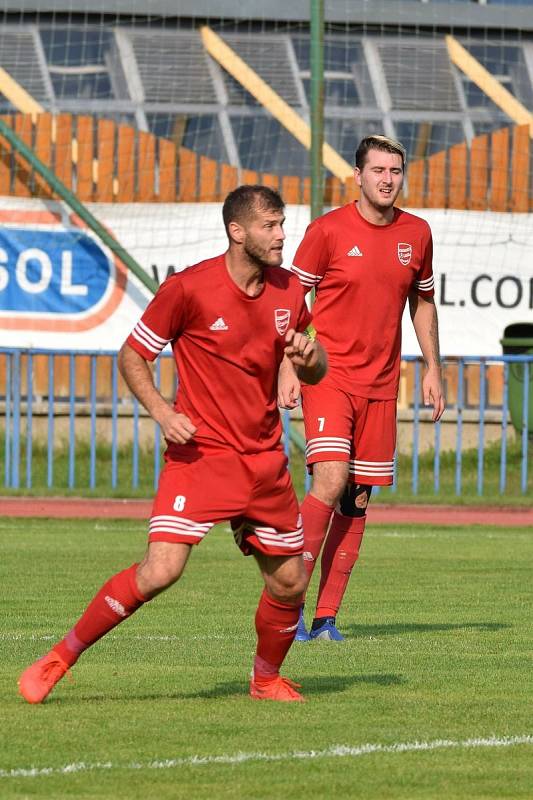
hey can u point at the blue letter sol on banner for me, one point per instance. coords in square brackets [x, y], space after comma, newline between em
[54, 277]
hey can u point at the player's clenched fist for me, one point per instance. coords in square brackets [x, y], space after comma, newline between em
[176, 427]
[307, 355]
[300, 348]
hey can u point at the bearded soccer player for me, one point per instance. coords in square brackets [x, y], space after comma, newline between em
[365, 260]
[230, 321]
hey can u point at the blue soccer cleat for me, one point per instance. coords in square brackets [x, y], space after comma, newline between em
[327, 632]
[301, 631]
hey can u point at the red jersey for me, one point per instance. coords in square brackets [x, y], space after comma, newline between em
[228, 347]
[362, 274]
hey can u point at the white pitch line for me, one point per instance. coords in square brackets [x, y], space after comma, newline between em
[30, 637]
[336, 751]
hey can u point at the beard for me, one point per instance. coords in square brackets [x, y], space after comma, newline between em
[257, 255]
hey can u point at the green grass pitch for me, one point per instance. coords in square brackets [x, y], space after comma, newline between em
[429, 697]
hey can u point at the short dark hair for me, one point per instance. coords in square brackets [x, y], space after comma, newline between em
[242, 202]
[378, 142]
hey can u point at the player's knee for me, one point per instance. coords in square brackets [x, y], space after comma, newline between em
[354, 500]
[329, 488]
[292, 595]
[290, 588]
[155, 577]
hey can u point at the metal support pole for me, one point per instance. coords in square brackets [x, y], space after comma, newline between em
[317, 107]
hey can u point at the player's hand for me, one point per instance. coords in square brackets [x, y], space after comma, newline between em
[288, 391]
[432, 392]
[300, 349]
[288, 385]
[176, 427]
[307, 356]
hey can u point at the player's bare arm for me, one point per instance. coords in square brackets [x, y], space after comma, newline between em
[307, 356]
[288, 385]
[134, 369]
[425, 323]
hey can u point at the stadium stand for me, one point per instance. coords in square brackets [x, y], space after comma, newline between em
[387, 68]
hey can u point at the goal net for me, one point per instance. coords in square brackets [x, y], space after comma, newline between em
[150, 119]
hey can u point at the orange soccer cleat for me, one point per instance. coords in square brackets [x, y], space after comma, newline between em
[38, 680]
[281, 689]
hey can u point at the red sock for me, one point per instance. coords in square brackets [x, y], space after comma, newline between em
[315, 518]
[341, 551]
[275, 624]
[115, 602]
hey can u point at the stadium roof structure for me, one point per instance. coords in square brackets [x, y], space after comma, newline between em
[387, 70]
[467, 13]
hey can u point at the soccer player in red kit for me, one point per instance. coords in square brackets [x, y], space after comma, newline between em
[365, 260]
[230, 321]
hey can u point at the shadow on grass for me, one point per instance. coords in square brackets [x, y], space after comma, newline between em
[323, 684]
[320, 684]
[313, 685]
[397, 628]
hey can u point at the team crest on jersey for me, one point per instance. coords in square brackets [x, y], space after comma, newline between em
[405, 251]
[282, 317]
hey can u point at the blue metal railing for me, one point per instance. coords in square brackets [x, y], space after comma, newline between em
[459, 407]
[22, 406]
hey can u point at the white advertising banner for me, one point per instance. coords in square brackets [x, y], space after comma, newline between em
[61, 288]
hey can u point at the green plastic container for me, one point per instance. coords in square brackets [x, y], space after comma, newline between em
[518, 341]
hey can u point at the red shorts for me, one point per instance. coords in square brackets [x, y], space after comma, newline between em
[343, 427]
[253, 492]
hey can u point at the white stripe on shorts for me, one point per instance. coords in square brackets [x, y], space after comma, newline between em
[372, 468]
[269, 536]
[164, 523]
[327, 444]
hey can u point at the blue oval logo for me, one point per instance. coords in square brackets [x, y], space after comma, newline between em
[63, 272]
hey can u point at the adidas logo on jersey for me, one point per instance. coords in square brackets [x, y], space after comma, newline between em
[354, 251]
[219, 325]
